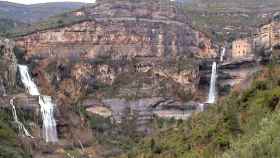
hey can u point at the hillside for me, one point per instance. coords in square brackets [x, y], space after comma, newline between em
[7, 25]
[227, 20]
[139, 79]
[243, 125]
[211, 17]
[110, 57]
[36, 12]
[237, 5]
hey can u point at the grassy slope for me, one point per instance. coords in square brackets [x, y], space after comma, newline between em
[244, 125]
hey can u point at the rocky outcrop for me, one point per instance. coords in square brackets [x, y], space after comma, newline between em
[144, 110]
[21, 101]
[121, 29]
[230, 73]
[8, 66]
[236, 71]
[119, 39]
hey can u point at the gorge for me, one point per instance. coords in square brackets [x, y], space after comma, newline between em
[125, 78]
[138, 49]
[124, 54]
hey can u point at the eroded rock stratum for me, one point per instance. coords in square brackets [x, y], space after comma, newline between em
[141, 48]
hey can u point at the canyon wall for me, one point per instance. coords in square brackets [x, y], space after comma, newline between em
[8, 64]
[120, 43]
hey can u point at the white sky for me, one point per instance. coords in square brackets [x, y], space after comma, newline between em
[45, 1]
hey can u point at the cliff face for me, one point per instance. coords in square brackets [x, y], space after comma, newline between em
[122, 29]
[140, 54]
[121, 37]
[8, 64]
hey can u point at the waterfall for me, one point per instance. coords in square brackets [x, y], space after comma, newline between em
[27, 81]
[46, 105]
[21, 127]
[212, 91]
[223, 53]
[49, 124]
[200, 107]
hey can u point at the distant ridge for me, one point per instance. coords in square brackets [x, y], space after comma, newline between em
[35, 12]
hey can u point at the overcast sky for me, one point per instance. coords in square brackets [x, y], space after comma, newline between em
[44, 1]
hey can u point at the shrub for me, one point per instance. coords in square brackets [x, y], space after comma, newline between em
[99, 123]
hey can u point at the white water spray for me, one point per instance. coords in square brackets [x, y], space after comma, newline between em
[212, 91]
[223, 53]
[27, 81]
[46, 106]
[21, 127]
[49, 124]
[200, 107]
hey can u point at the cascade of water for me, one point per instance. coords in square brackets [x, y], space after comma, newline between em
[45, 102]
[20, 124]
[212, 91]
[49, 124]
[200, 107]
[223, 53]
[27, 81]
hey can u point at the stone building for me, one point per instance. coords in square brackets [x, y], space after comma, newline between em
[276, 34]
[241, 48]
[267, 36]
[263, 38]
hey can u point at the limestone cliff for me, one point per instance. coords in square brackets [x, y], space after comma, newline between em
[8, 64]
[120, 38]
[122, 29]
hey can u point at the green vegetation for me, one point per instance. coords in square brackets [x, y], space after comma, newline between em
[8, 25]
[116, 137]
[244, 125]
[32, 13]
[17, 19]
[219, 28]
[53, 22]
[133, 84]
[9, 147]
[228, 20]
